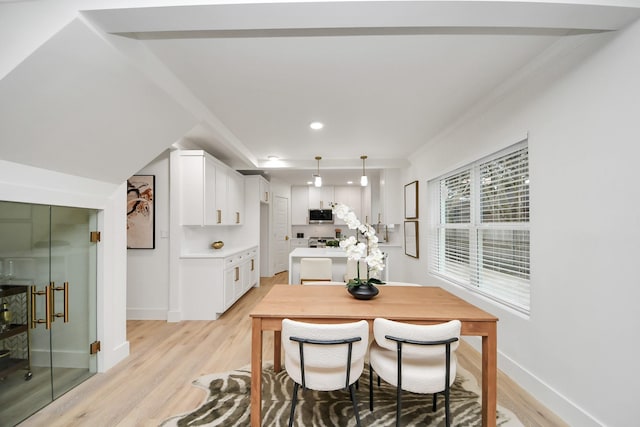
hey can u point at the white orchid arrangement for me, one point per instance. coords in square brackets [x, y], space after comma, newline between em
[357, 250]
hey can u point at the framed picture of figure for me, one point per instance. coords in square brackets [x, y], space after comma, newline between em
[141, 212]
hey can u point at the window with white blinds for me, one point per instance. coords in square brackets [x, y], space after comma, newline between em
[479, 233]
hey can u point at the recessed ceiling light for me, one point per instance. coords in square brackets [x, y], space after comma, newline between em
[316, 125]
[273, 158]
[349, 182]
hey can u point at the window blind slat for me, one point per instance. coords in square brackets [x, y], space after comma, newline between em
[481, 239]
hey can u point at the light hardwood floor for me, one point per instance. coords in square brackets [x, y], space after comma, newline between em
[154, 382]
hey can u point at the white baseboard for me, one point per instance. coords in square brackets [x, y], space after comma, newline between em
[559, 404]
[118, 354]
[146, 314]
[174, 316]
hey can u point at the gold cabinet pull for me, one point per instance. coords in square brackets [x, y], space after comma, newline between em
[65, 290]
[47, 308]
[237, 274]
[266, 196]
[237, 217]
[219, 214]
[252, 268]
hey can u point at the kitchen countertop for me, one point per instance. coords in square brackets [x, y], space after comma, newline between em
[217, 253]
[318, 252]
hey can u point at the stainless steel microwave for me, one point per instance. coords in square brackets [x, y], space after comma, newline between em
[320, 216]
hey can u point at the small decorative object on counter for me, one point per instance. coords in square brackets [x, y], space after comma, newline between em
[217, 244]
[338, 233]
[361, 288]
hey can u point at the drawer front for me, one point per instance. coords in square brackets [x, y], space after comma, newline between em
[234, 260]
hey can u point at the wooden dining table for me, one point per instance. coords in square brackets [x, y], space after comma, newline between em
[333, 304]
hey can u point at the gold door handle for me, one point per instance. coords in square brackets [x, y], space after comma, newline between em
[237, 217]
[65, 313]
[219, 216]
[252, 268]
[237, 274]
[286, 237]
[47, 307]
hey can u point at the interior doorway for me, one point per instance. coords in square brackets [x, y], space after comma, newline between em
[281, 233]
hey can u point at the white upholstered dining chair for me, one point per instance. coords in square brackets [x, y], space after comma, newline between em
[315, 270]
[416, 358]
[324, 357]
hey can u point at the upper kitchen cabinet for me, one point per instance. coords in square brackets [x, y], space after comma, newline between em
[391, 203]
[299, 205]
[352, 197]
[235, 199]
[265, 191]
[321, 197]
[211, 192]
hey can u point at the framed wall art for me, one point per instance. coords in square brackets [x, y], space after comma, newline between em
[411, 239]
[411, 200]
[141, 212]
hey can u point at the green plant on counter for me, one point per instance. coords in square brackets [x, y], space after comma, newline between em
[333, 243]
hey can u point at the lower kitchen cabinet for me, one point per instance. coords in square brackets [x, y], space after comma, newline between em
[212, 284]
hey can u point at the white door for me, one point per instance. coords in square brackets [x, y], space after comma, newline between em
[280, 230]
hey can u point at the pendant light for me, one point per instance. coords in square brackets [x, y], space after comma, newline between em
[317, 179]
[364, 181]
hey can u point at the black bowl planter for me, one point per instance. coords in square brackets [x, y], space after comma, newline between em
[364, 292]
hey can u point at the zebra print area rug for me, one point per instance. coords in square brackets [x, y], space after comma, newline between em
[228, 404]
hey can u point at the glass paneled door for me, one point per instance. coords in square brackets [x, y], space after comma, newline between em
[48, 286]
[73, 296]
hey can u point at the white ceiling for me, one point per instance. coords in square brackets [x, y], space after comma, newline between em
[384, 77]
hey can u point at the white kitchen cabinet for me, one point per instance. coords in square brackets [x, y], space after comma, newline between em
[231, 282]
[222, 209]
[210, 190]
[241, 273]
[350, 196]
[391, 208]
[299, 205]
[265, 191]
[211, 193]
[366, 205]
[249, 270]
[202, 288]
[232, 279]
[358, 199]
[320, 197]
[235, 198]
[210, 285]
[193, 180]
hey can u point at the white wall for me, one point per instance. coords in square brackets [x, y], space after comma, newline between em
[576, 352]
[148, 269]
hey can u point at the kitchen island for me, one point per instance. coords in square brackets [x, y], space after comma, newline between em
[338, 258]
